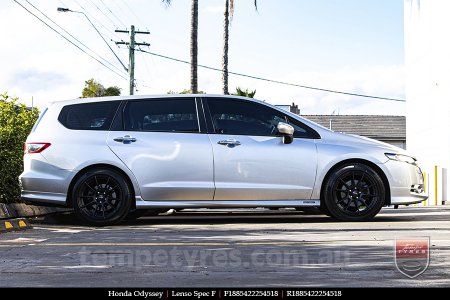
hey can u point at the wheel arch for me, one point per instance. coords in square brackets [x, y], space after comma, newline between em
[368, 163]
[83, 171]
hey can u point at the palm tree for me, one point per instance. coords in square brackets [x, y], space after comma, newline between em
[228, 15]
[194, 43]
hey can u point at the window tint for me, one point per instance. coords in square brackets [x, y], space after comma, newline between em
[249, 118]
[301, 130]
[88, 116]
[244, 117]
[173, 115]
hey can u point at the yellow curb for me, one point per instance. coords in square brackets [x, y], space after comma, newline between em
[8, 225]
[14, 224]
[22, 224]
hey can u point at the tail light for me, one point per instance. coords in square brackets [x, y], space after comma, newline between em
[30, 148]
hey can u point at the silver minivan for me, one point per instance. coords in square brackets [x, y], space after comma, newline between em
[116, 157]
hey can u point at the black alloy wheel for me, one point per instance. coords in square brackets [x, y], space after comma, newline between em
[101, 197]
[354, 192]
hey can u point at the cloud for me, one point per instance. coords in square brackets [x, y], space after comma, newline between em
[33, 80]
[383, 81]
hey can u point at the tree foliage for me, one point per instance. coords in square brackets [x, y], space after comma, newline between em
[245, 93]
[185, 91]
[93, 88]
[16, 122]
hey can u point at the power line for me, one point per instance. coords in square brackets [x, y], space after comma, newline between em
[113, 14]
[276, 81]
[133, 13]
[78, 47]
[97, 20]
[72, 36]
[101, 11]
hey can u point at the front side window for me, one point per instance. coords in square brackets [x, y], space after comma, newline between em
[88, 116]
[167, 115]
[239, 117]
[244, 117]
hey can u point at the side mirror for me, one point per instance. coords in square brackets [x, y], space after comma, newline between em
[287, 131]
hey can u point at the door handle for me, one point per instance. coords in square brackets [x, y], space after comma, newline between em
[125, 139]
[230, 142]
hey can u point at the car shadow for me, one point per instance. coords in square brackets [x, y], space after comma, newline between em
[211, 216]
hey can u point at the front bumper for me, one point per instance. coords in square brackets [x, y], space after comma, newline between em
[406, 182]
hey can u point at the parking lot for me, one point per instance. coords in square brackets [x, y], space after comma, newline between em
[221, 248]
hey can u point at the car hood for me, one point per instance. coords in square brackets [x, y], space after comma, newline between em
[356, 140]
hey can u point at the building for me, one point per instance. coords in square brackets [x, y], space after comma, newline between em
[388, 129]
[427, 58]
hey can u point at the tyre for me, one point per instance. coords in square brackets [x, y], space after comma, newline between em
[139, 213]
[354, 192]
[101, 197]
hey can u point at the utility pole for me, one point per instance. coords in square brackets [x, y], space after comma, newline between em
[131, 47]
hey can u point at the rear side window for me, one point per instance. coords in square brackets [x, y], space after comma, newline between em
[167, 115]
[39, 120]
[89, 116]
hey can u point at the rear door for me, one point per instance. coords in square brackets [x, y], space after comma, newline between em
[162, 142]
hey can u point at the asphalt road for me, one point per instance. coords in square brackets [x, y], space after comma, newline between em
[210, 248]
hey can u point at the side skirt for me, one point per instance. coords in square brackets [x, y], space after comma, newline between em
[141, 204]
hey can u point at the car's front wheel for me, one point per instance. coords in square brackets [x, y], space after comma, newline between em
[354, 192]
[101, 197]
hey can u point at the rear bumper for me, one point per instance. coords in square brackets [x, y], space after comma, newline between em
[44, 198]
[43, 183]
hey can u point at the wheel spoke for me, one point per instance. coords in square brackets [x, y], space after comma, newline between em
[88, 204]
[87, 184]
[107, 181]
[356, 205]
[345, 183]
[96, 181]
[361, 180]
[362, 201]
[370, 195]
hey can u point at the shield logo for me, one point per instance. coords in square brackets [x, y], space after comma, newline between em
[412, 256]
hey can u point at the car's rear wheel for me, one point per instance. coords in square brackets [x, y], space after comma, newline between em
[101, 197]
[354, 192]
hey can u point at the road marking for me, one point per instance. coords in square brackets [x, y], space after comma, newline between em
[204, 243]
[63, 230]
[23, 240]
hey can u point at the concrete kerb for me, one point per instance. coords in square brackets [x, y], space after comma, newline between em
[13, 216]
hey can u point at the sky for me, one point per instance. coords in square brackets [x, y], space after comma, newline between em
[353, 46]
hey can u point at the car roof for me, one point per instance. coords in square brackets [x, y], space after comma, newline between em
[147, 97]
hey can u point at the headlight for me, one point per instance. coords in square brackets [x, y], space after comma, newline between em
[402, 158]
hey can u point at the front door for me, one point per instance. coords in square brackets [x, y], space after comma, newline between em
[251, 162]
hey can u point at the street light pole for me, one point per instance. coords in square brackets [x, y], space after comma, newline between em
[61, 9]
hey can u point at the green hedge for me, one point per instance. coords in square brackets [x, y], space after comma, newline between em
[15, 125]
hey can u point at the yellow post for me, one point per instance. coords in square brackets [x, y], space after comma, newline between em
[425, 186]
[435, 185]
